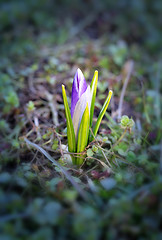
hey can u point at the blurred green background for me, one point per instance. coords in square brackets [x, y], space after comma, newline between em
[56, 21]
[40, 42]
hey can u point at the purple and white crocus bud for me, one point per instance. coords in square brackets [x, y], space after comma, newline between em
[81, 95]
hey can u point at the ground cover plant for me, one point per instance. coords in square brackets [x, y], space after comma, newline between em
[116, 191]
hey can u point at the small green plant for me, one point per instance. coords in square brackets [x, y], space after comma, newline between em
[79, 120]
[126, 122]
[30, 106]
[8, 94]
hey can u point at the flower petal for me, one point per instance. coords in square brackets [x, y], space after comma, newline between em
[78, 88]
[80, 108]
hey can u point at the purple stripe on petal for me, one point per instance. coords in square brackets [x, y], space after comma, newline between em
[80, 108]
[78, 88]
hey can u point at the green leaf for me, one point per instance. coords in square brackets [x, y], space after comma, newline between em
[93, 87]
[12, 98]
[55, 144]
[30, 106]
[70, 128]
[122, 152]
[90, 152]
[70, 195]
[83, 134]
[83, 131]
[102, 112]
[131, 156]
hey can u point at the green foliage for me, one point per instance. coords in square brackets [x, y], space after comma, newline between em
[83, 134]
[89, 153]
[55, 144]
[118, 53]
[70, 128]
[126, 122]
[30, 106]
[93, 90]
[102, 112]
[4, 126]
[8, 94]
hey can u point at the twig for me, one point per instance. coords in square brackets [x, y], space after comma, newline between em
[36, 122]
[109, 165]
[101, 162]
[121, 137]
[60, 145]
[52, 105]
[131, 66]
[31, 84]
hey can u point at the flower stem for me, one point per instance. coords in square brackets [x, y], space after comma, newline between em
[121, 137]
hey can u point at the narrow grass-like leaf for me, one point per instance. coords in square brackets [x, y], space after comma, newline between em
[93, 87]
[70, 128]
[83, 134]
[67, 175]
[102, 112]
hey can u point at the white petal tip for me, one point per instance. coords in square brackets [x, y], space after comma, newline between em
[78, 70]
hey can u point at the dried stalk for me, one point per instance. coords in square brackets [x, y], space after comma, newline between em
[129, 73]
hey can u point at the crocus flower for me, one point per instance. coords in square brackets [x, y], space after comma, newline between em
[79, 120]
[81, 96]
[78, 88]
